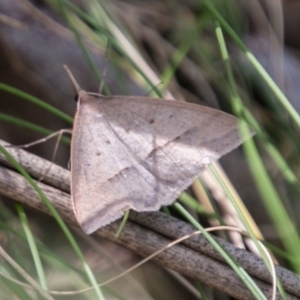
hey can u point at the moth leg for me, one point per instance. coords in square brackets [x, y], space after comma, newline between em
[59, 136]
[50, 136]
[43, 140]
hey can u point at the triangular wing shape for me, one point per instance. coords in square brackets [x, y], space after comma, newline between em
[140, 153]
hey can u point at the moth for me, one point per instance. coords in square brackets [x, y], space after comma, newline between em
[140, 153]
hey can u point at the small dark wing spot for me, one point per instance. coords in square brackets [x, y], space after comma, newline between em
[119, 175]
[151, 121]
[98, 153]
[107, 141]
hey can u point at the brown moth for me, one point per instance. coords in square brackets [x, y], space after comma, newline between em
[139, 153]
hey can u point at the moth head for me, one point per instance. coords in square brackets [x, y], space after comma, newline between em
[77, 98]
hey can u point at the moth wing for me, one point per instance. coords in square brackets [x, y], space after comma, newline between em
[140, 153]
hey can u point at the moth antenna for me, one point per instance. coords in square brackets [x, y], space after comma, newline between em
[76, 86]
[105, 68]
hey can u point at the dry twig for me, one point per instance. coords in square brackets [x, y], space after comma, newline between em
[146, 232]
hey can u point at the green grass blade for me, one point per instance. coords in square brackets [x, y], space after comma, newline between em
[31, 126]
[257, 293]
[35, 101]
[261, 71]
[32, 246]
[59, 220]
